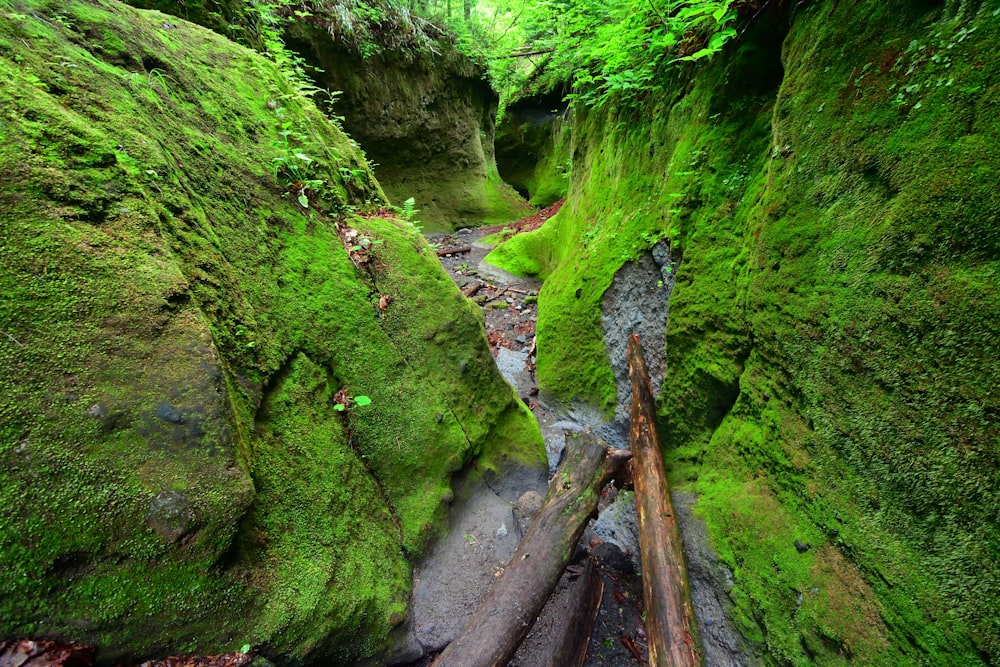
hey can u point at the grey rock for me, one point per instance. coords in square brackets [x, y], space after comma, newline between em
[618, 524]
[169, 413]
[637, 302]
[612, 558]
[460, 568]
[525, 509]
[710, 582]
[513, 367]
[170, 514]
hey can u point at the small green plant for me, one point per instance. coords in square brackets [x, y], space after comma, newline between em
[151, 79]
[352, 401]
[410, 209]
[292, 168]
[365, 243]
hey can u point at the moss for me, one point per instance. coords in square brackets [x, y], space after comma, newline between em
[175, 477]
[830, 378]
[533, 148]
[433, 138]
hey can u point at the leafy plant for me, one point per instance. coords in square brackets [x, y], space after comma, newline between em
[292, 167]
[410, 208]
[351, 401]
[604, 48]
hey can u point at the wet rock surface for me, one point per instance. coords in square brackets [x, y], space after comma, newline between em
[710, 582]
[618, 637]
[636, 302]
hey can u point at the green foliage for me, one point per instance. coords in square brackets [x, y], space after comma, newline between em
[373, 27]
[617, 49]
[358, 401]
[410, 209]
[292, 167]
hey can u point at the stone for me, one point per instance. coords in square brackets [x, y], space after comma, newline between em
[170, 514]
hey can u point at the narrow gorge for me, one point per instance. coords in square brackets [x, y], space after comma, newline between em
[290, 348]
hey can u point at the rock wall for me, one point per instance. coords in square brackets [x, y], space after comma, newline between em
[826, 186]
[532, 148]
[199, 281]
[427, 123]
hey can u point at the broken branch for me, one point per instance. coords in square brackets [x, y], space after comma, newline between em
[453, 251]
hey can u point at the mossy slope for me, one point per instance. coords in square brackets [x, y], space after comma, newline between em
[831, 370]
[174, 331]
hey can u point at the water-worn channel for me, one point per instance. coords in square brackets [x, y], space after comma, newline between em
[488, 519]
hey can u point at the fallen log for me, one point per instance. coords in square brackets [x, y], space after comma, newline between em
[670, 621]
[503, 620]
[471, 289]
[454, 251]
[573, 650]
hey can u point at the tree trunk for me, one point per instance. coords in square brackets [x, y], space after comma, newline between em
[504, 618]
[573, 650]
[670, 622]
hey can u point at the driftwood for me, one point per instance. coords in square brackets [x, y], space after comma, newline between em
[670, 622]
[573, 650]
[454, 251]
[503, 620]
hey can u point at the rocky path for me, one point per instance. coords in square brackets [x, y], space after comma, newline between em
[509, 306]
[618, 639]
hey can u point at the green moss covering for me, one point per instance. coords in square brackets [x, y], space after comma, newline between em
[426, 122]
[831, 373]
[176, 331]
[550, 179]
[533, 148]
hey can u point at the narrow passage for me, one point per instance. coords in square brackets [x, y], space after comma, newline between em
[509, 304]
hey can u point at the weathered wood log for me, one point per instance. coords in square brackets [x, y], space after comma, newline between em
[573, 650]
[503, 620]
[670, 621]
[454, 251]
[471, 289]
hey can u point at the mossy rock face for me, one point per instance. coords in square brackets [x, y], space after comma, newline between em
[532, 148]
[831, 373]
[176, 335]
[222, 16]
[427, 123]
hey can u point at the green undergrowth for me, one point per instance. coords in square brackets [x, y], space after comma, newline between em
[830, 367]
[181, 317]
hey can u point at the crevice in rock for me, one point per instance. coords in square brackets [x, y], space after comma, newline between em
[638, 302]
